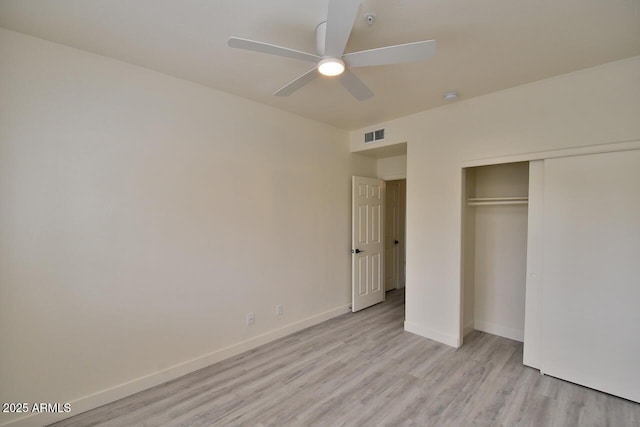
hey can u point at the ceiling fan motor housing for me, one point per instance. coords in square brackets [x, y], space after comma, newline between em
[321, 35]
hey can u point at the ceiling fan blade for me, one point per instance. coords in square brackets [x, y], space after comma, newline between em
[340, 18]
[271, 49]
[408, 52]
[293, 86]
[354, 85]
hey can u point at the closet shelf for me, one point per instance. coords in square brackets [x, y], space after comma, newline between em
[488, 201]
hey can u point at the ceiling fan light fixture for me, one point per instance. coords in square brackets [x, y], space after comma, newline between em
[331, 67]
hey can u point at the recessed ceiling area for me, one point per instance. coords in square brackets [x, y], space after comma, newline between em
[482, 47]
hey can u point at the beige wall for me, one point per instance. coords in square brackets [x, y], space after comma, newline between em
[390, 168]
[594, 106]
[143, 217]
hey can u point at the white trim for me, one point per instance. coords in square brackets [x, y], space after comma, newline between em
[112, 394]
[563, 152]
[468, 328]
[415, 328]
[503, 331]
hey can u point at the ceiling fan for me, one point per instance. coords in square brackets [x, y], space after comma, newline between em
[331, 39]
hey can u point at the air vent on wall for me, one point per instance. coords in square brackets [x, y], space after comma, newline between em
[368, 137]
[374, 135]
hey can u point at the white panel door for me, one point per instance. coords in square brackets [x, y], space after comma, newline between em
[367, 242]
[591, 286]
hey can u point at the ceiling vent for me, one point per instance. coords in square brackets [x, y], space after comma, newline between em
[374, 135]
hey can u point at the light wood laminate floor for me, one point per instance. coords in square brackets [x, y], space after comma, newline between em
[362, 369]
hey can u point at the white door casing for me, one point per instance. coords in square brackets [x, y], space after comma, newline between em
[367, 238]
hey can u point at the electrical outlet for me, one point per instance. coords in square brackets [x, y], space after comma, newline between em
[279, 310]
[251, 318]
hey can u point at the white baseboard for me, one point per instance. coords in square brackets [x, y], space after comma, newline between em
[415, 328]
[503, 331]
[469, 327]
[109, 395]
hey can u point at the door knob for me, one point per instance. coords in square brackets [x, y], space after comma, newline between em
[356, 251]
[395, 242]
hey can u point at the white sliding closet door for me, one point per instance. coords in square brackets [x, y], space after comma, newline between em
[591, 290]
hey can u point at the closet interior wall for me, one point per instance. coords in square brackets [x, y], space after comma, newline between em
[495, 248]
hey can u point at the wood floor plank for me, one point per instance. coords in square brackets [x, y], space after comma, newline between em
[363, 369]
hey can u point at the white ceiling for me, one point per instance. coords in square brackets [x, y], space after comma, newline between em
[483, 46]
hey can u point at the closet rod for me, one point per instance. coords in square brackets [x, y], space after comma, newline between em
[487, 201]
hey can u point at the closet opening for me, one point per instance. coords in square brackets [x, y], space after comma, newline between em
[394, 232]
[494, 243]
